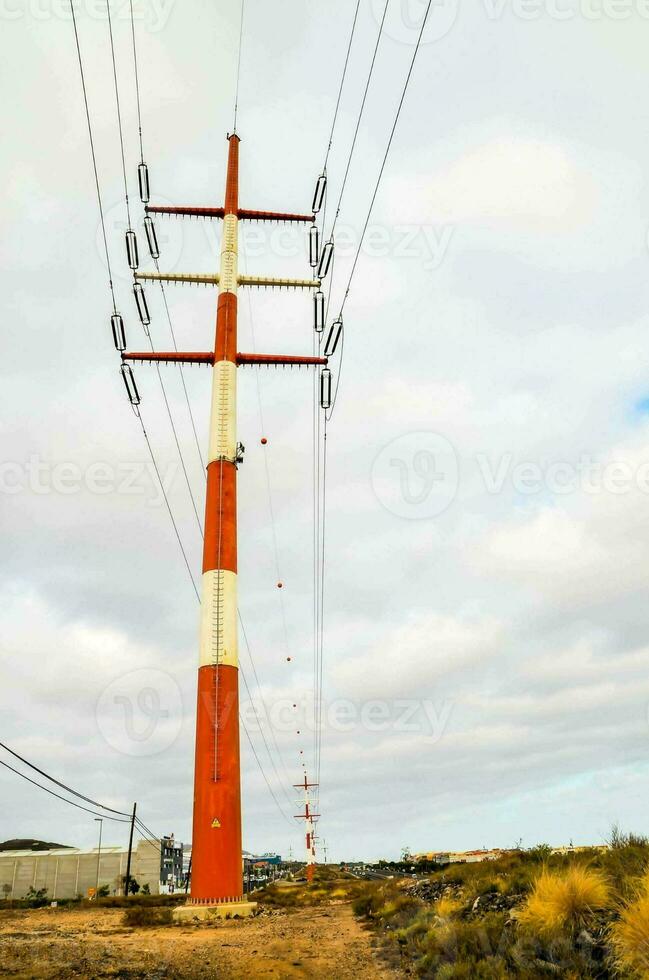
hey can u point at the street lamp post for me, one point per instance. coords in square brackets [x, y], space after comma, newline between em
[100, 821]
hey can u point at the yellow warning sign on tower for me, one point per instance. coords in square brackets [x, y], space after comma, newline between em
[216, 823]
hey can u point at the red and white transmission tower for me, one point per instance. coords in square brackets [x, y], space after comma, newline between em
[309, 822]
[217, 863]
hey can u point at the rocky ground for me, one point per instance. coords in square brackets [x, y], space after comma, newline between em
[59, 944]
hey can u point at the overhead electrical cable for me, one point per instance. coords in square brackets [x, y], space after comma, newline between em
[360, 116]
[135, 404]
[166, 500]
[137, 82]
[261, 732]
[57, 782]
[182, 373]
[321, 599]
[119, 112]
[380, 176]
[155, 260]
[236, 94]
[261, 769]
[269, 490]
[94, 157]
[340, 89]
[45, 789]
[261, 693]
[128, 213]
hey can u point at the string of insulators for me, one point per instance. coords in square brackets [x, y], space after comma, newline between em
[314, 246]
[119, 334]
[319, 193]
[325, 389]
[131, 250]
[129, 383]
[141, 303]
[318, 311]
[151, 237]
[333, 337]
[325, 259]
[143, 182]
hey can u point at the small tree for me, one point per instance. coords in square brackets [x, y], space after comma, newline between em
[103, 891]
[36, 898]
[133, 887]
[146, 890]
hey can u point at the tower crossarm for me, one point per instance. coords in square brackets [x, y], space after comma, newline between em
[181, 277]
[244, 214]
[208, 357]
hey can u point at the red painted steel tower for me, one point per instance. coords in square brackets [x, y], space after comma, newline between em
[217, 865]
[216, 841]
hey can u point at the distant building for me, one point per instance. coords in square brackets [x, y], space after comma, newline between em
[456, 857]
[68, 872]
[171, 866]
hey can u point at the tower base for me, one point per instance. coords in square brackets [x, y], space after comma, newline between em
[188, 914]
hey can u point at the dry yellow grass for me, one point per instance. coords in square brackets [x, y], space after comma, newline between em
[446, 907]
[629, 936]
[564, 901]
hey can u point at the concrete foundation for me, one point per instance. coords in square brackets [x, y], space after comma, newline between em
[206, 913]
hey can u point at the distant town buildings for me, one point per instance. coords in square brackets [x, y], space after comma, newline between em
[69, 872]
[456, 857]
[171, 866]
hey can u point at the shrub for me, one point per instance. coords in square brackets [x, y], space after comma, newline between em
[36, 899]
[559, 902]
[139, 916]
[456, 948]
[446, 907]
[367, 903]
[629, 936]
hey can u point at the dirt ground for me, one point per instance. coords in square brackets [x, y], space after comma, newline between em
[58, 944]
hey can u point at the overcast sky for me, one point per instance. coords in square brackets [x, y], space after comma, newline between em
[487, 626]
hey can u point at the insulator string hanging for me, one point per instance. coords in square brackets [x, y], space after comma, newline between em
[333, 337]
[143, 182]
[319, 193]
[129, 384]
[131, 250]
[151, 237]
[141, 303]
[325, 259]
[314, 246]
[318, 311]
[119, 334]
[325, 389]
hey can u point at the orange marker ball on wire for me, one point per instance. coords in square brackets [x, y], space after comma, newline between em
[264, 441]
[280, 585]
[288, 659]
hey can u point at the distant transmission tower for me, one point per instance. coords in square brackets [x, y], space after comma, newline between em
[310, 819]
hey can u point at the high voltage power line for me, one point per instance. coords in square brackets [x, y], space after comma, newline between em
[321, 381]
[102, 220]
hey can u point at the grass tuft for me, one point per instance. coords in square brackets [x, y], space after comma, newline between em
[560, 902]
[629, 935]
[141, 916]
